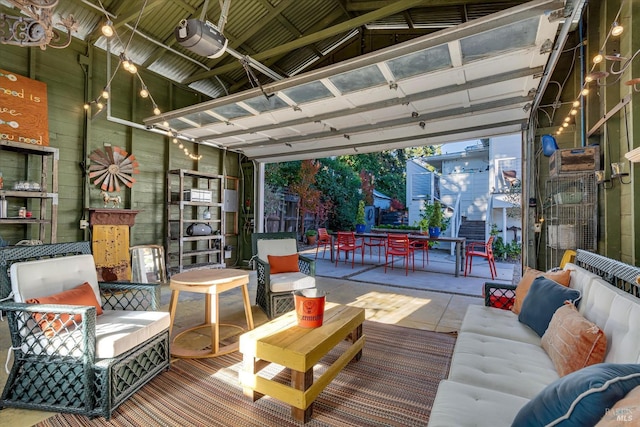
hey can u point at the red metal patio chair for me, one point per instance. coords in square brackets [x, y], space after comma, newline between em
[421, 245]
[482, 250]
[378, 242]
[347, 242]
[398, 245]
[324, 239]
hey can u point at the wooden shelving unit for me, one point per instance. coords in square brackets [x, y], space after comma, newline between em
[46, 209]
[184, 251]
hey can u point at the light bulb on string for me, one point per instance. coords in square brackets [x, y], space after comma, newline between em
[174, 140]
[132, 68]
[585, 92]
[616, 29]
[567, 119]
[107, 29]
[144, 92]
[181, 146]
[86, 106]
[598, 58]
[105, 92]
[576, 103]
[565, 124]
[573, 112]
[156, 110]
[100, 105]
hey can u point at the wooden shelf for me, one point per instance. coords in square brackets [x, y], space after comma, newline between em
[47, 208]
[184, 252]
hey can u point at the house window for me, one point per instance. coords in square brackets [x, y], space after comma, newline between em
[421, 186]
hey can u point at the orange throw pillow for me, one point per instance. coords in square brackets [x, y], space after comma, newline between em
[283, 264]
[572, 342]
[562, 277]
[80, 295]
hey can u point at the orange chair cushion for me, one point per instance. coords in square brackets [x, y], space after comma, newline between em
[562, 277]
[283, 263]
[80, 295]
[572, 342]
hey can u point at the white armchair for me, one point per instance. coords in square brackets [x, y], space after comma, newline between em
[66, 358]
[275, 291]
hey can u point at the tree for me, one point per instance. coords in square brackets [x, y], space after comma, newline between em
[310, 196]
[367, 186]
[341, 185]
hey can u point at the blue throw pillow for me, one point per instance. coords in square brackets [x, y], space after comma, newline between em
[580, 398]
[543, 299]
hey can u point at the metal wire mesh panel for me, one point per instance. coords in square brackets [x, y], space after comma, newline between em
[570, 215]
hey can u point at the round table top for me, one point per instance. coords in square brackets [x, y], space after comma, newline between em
[210, 276]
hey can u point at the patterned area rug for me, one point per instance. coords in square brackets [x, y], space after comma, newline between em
[394, 384]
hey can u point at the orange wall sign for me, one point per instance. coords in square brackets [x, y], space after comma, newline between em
[23, 110]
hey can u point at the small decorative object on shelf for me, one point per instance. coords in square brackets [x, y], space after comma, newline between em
[107, 198]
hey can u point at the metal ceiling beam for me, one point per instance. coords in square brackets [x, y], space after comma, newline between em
[391, 9]
[459, 112]
[391, 102]
[362, 6]
[132, 13]
[385, 144]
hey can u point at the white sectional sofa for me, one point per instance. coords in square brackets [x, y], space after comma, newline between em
[499, 364]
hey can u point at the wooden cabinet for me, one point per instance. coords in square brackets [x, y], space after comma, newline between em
[195, 220]
[42, 202]
[110, 242]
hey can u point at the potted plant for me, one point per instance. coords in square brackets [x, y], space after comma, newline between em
[312, 235]
[435, 221]
[360, 222]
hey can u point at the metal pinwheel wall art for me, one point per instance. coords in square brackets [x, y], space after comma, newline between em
[112, 168]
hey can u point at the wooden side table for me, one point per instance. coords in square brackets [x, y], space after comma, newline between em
[283, 342]
[210, 282]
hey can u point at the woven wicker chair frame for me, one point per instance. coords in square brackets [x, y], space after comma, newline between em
[275, 304]
[62, 374]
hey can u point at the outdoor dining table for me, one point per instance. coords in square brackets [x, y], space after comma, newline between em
[460, 243]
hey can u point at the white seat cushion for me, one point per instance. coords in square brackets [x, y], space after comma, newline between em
[278, 247]
[41, 278]
[465, 405]
[283, 282]
[119, 331]
[498, 323]
[505, 365]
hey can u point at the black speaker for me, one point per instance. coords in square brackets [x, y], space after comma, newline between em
[199, 230]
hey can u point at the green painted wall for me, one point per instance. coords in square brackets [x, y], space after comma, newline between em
[619, 200]
[74, 75]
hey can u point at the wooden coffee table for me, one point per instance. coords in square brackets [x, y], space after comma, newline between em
[283, 342]
[210, 282]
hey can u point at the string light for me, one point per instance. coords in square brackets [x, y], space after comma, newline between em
[105, 93]
[616, 29]
[585, 92]
[144, 92]
[107, 29]
[598, 58]
[156, 110]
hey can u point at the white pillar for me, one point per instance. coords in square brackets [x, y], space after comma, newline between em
[259, 202]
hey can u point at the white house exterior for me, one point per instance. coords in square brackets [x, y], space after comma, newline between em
[471, 180]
